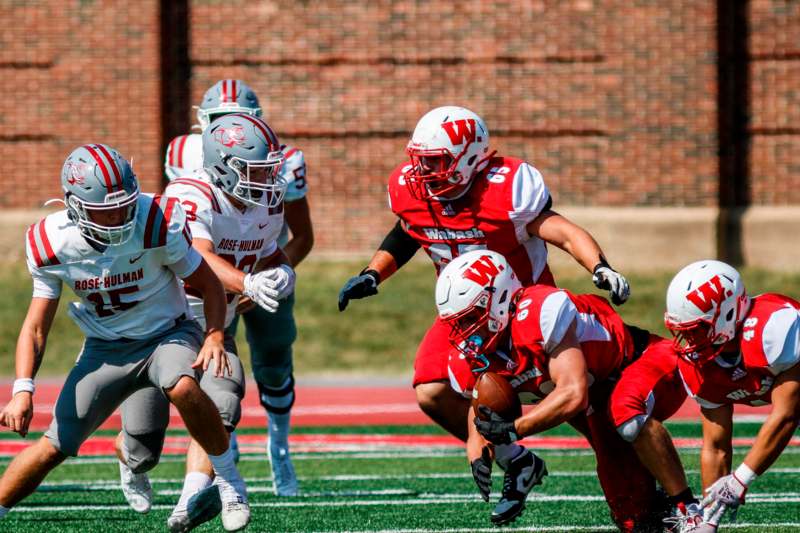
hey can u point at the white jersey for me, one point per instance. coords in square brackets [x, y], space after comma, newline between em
[127, 291]
[240, 238]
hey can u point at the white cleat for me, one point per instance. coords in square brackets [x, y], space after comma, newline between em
[235, 509]
[201, 507]
[136, 488]
[688, 519]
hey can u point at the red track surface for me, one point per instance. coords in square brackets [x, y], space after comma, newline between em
[316, 406]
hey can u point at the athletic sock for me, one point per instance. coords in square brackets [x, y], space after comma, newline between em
[224, 466]
[279, 429]
[192, 484]
[505, 453]
[685, 497]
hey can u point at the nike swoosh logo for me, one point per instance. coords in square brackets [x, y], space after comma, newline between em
[262, 226]
[134, 259]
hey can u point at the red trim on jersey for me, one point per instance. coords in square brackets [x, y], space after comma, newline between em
[113, 165]
[264, 129]
[201, 186]
[289, 154]
[32, 243]
[162, 231]
[187, 234]
[51, 256]
[151, 216]
[102, 166]
[181, 143]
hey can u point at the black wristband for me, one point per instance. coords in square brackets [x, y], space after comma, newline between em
[400, 245]
[373, 273]
[602, 263]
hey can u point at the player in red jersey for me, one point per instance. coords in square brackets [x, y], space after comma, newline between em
[735, 349]
[559, 350]
[453, 196]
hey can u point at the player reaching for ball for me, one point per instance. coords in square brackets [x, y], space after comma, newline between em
[560, 350]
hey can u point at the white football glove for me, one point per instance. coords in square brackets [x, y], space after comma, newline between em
[605, 277]
[281, 279]
[259, 288]
[726, 494]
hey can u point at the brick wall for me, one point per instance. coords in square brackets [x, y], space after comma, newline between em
[615, 101]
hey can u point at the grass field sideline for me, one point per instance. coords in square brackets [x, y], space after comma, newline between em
[378, 335]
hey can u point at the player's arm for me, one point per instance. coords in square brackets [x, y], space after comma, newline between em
[577, 242]
[717, 451]
[780, 425]
[231, 277]
[298, 218]
[397, 248]
[570, 397]
[30, 351]
[204, 281]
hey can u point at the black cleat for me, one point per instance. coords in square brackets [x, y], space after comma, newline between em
[523, 473]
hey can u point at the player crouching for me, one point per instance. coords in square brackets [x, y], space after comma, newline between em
[559, 350]
[122, 253]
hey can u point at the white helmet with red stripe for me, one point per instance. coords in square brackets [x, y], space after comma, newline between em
[448, 147]
[184, 155]
[243, 156]
[706, 303]
[227, 96]
[474, 294]
[100, 191]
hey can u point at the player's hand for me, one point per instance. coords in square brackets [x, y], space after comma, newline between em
[357, 287]
[213, 349]
[725, 495]
[281, 279]
[18, 413]
[259, 288]
[495, 429]
[482, 473]
[605, 277]
[244, 305]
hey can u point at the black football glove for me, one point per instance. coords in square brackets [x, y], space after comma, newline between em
[357, 287]
[495, 429]
[606, 278]
[482, 473]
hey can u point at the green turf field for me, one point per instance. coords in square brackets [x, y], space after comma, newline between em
[411, 489]
[376, 335]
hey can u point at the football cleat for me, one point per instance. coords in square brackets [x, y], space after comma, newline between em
[522, 474]
[688, 519]
[201, 507]
[136, 488]
[235, 509]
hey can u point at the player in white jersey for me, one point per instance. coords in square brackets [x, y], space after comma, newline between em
[122, 253]
[269, 335]
[234, 207]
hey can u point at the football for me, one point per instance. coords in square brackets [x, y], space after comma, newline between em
[494, 391]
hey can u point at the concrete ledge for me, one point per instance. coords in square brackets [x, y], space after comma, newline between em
[634, 238]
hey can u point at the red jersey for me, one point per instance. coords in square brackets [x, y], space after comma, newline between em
[493, 214]
[543, 316]
[768, 343]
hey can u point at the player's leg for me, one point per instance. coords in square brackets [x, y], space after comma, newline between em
[648, 392]
[145, 417]
[435, 396]
[96, 385]
[200, 500]
[270, 337]
[170, 369]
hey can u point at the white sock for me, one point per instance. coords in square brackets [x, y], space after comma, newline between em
[224, 467]
[505, 453]
[4, 511]
[192, 484]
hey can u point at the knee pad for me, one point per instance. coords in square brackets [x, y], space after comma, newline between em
[277, 400]
[630, 429]
[142, 452]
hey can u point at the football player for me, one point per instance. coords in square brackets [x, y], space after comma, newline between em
[270, 335]
[560, 350]
[122, 253]
[734, 349]
[234, 207]
[456, 195]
